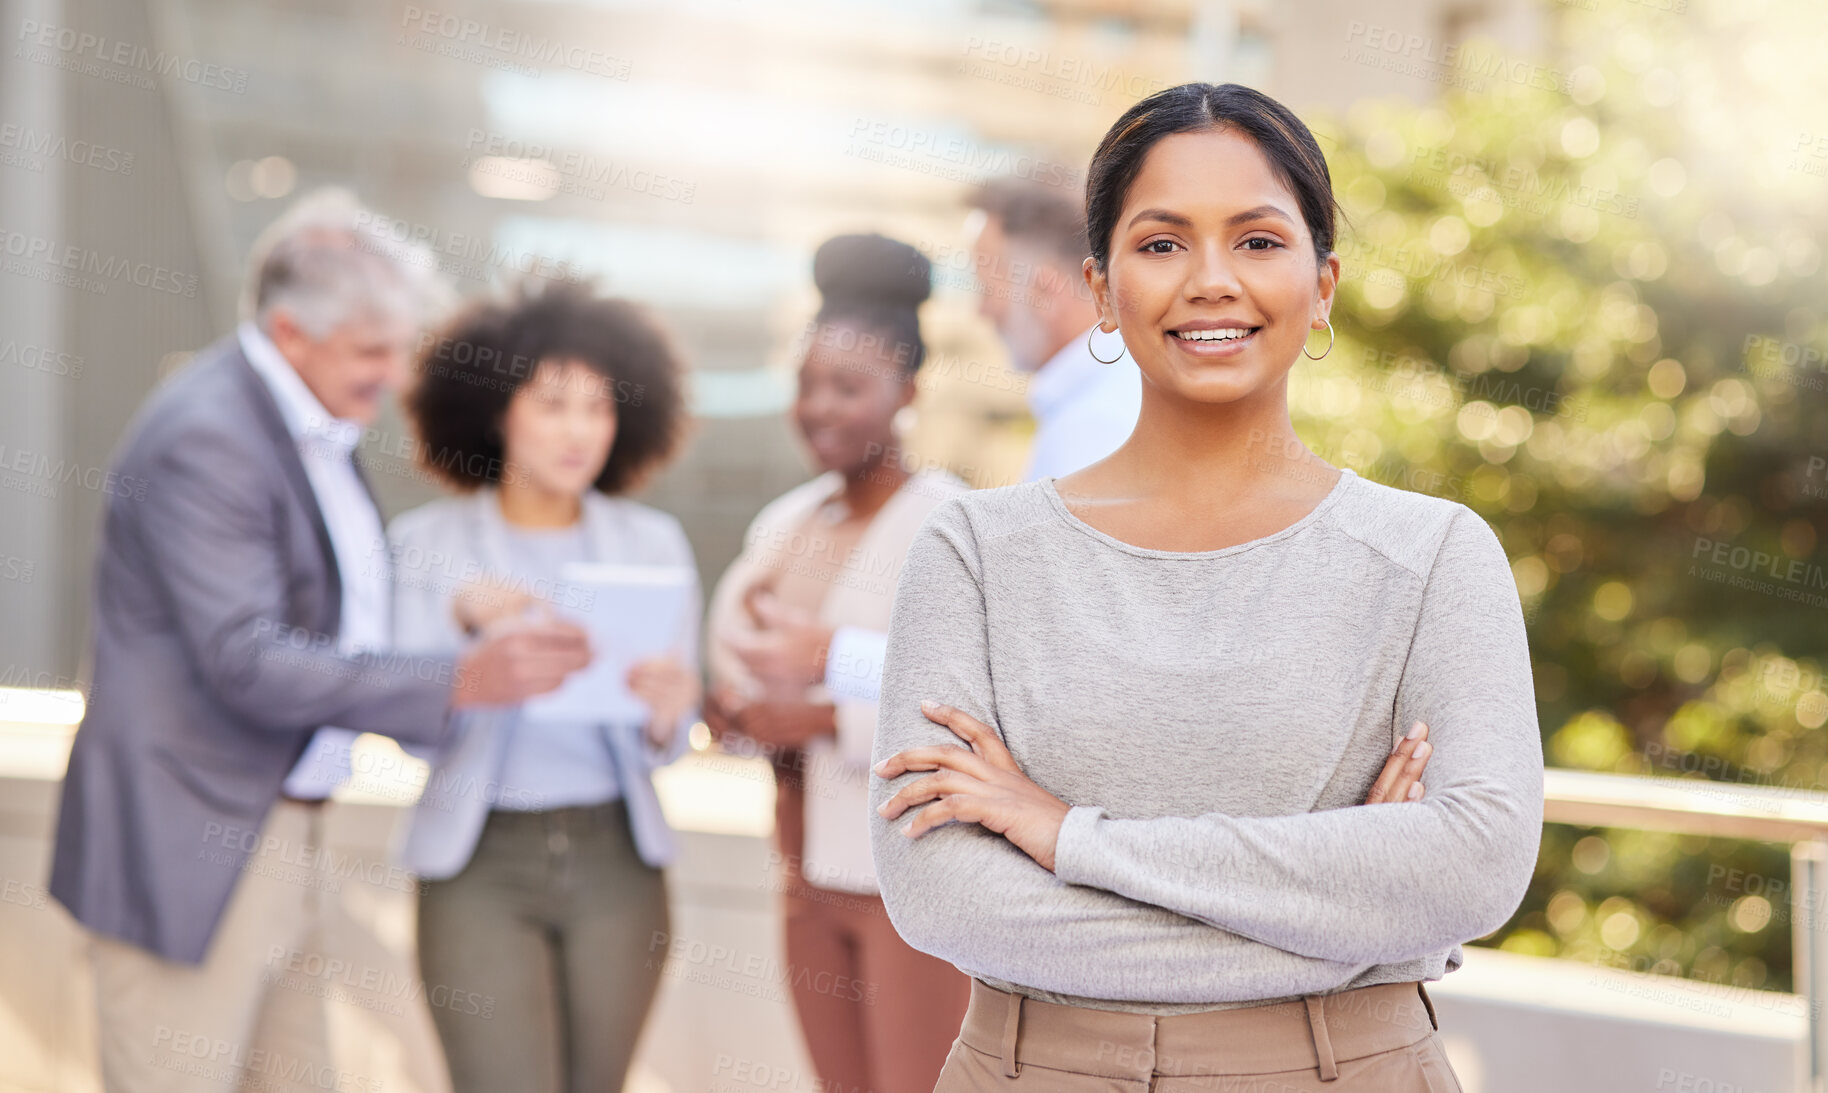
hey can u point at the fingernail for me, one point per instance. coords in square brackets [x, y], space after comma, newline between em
[908, 829]
[882, 809]
[1416, 730]
[927, 705]
[1415, 792]
[877, 769]
[1423, 750]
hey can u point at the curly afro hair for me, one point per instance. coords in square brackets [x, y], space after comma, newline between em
[469, 371]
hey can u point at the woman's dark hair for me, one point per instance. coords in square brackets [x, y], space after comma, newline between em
[1195, 107]
[875, 283]
[469, 371]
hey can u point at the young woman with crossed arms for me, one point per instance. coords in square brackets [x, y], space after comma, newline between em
[1176, 672]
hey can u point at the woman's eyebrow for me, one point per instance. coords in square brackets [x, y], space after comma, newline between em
[1162, 215]
[1179, 221]
[1259, 213]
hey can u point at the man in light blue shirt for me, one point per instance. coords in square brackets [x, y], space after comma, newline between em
[1029, 250]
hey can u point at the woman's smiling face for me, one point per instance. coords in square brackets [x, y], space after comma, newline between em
[1211, 274]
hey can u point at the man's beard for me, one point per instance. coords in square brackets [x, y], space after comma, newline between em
[1025, 334]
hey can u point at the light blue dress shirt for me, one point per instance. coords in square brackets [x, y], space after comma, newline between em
[1084, 409]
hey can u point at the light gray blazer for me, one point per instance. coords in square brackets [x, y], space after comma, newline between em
[437, 547]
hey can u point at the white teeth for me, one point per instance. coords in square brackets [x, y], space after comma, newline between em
[1225, 335]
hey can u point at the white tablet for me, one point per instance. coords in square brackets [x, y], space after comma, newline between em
[631, 612]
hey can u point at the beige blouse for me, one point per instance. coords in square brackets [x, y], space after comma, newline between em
[778, 543]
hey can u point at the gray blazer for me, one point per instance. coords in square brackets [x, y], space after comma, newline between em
[439, 546]
[217, 601]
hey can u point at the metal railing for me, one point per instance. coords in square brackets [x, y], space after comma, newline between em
[1689, 806]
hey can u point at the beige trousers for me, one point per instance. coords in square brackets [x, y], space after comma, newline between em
[236, 1021]
[1377, 1039]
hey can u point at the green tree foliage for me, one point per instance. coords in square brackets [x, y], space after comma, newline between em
[1586, 298]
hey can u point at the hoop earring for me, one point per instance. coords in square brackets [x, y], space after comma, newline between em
[1088, 347]
[1323, 352]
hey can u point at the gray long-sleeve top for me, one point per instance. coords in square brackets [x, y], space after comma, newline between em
[1215, 719]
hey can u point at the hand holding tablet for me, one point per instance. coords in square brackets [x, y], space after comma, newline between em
[632, 613]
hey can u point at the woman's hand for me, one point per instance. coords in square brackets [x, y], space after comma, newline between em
[789, 644]
[981, 786]
[669, 688]
[781, 723]
[1401, 777]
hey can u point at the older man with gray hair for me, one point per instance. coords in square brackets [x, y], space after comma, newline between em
[241, 632]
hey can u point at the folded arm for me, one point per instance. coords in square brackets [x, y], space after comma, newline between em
[1359, 886]
[969, 896]
[1380, 883]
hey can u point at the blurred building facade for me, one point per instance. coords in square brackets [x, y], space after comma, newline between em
[688, 155]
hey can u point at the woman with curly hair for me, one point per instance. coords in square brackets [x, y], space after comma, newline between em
[539, 837]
